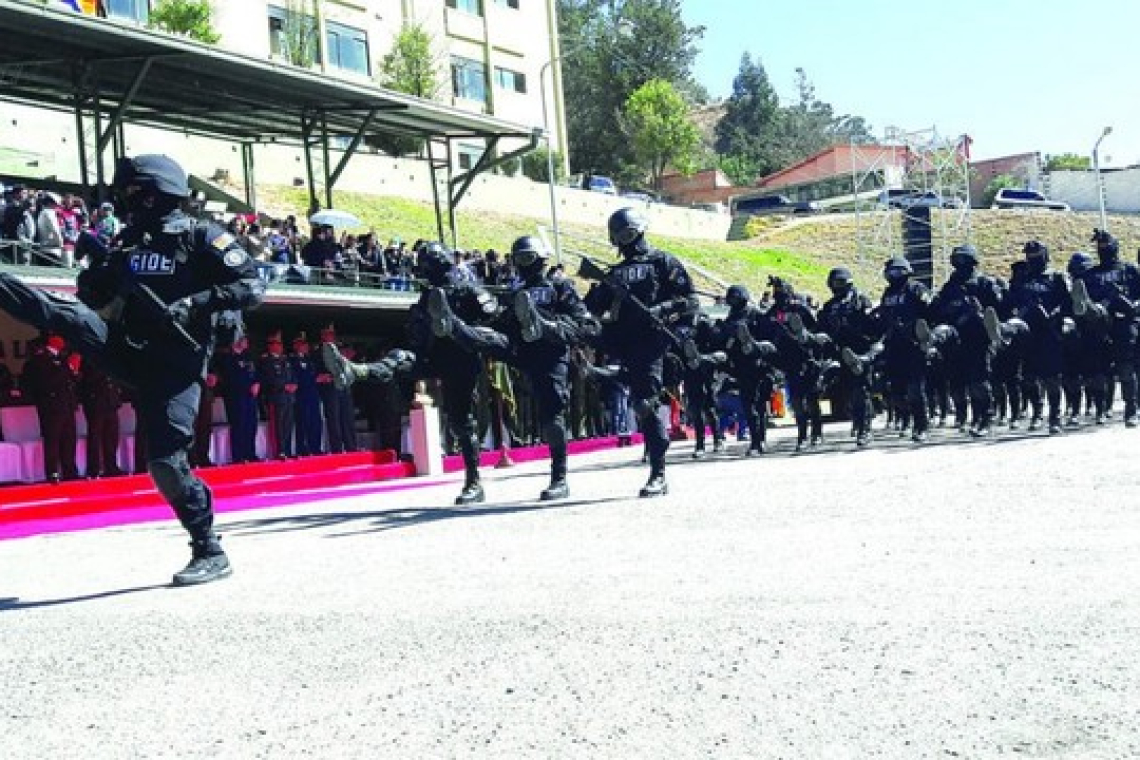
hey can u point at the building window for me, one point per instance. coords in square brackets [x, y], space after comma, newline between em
[474, 7]
[135, 10]
[469, 79]
[293, 37]
[348, 47]
[469, 155]
[508, 3]
[515, 81]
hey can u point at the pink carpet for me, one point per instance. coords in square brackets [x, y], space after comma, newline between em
[86, 505]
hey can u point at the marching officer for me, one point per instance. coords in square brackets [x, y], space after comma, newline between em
[148, 311]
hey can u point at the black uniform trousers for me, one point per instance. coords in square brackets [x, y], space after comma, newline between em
[241, 413]
[102, 440]
[905, 365]
[281, 424]
[57, 426]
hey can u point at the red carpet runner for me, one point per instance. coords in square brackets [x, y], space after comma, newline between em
[41, 508]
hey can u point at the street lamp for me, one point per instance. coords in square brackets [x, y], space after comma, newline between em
[624, 29]
[550, 155]
[1099, 182]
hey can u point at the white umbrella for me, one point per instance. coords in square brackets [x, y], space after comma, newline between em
[332, 218]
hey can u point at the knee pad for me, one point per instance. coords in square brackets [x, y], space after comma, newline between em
[171, 476]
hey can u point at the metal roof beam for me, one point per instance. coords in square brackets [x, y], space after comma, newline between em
[124, 104]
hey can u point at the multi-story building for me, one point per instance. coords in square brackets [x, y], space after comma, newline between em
[490, 55]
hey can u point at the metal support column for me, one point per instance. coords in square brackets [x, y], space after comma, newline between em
[307, 139]
[248, 175]
[325, 159]
[435, 189]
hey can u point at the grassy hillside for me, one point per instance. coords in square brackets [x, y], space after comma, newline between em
[800, 250]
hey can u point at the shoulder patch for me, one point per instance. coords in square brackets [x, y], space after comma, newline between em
[223, 241]
[234, 258]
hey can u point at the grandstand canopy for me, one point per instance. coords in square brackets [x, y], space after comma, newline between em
[109, 73]
[48, 55]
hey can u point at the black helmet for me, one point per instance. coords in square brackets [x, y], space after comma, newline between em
[626, 226]
[433, 262]
[964, 257]
[1107, 247]
[737, 297]
[1037, 255]
[897, 269]
[160, 173]
[782, 290]
[839, 280]
[149, 187]
[1079, 263]
[529, 253]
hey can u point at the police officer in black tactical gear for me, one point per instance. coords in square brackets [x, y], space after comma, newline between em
[802, 355]
[1042, 300]
[746, 339]
[639, 299]
[1086, 354]
[967, 332]
[1113, 286]
[903, 303]
[536, 334]
[700, 360]
[147, 314]
[846, 317]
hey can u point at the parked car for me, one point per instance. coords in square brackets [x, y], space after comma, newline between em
[1009, 197]
[902, 198]
[715, 208]
[641, 197]
[599, 184]
[774, 204]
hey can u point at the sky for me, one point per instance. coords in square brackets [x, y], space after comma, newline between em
[1015, 75]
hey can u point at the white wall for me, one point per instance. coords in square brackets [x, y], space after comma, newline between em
[1079, 190]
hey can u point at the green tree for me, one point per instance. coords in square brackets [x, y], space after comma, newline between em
[744, 134]
[997, 183]
[190, 18]
[656, 120]
[298, 40]
[741, 170]
[1067, 161]
[412, 67]
[536, 166]
[610, 48]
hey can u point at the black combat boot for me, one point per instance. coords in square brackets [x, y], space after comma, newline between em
[440, 312]
[691, 353]
[530, 321]
[993, 327]
[472, 492]
[558, 489]
[656, 485]
[852, 361]
[924, 335]
[344, 372]
[555, 435]
[207, 563]
[744, 338]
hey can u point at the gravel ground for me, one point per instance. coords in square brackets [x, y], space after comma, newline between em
[969, 600]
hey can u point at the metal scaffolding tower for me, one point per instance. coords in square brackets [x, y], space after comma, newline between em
[908, 171]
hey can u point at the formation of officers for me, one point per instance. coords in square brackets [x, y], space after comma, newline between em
[1039, 349]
